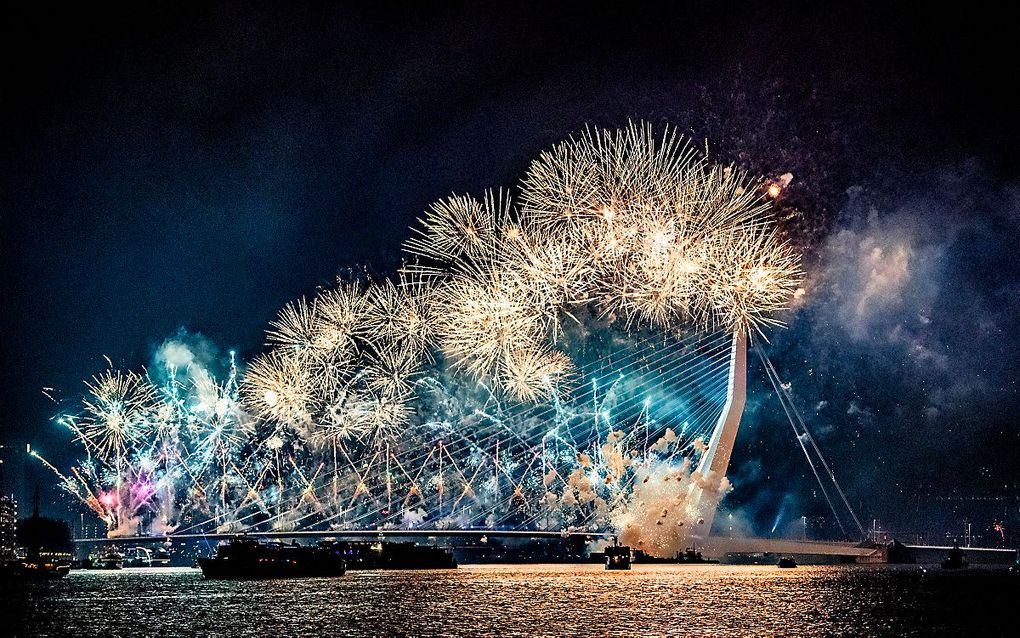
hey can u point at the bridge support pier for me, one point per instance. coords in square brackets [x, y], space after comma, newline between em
[711, 472]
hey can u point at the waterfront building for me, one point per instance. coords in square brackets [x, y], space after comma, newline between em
[8, 521]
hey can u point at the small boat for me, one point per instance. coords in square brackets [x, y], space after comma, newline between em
[138, 557]
[896, 553]
[618, 557]
[691, 556]
[402, 556]
[161, 558]
[111, 559]
[245, 558]
[956, 558]
[787, 563]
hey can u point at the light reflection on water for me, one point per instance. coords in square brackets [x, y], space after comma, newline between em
[523, 600]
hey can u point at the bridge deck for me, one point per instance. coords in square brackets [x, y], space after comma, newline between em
[358, 533]
[718, 546]
[715, 546]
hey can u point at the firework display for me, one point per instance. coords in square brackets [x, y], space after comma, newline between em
[549, 361]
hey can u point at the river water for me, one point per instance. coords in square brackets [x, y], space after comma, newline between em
[525, 600]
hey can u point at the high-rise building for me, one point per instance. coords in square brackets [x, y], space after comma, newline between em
[8, 520]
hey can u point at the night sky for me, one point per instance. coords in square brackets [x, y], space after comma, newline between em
[192, 169]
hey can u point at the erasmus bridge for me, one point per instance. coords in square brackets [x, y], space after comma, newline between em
[721, 366]
[573, 363]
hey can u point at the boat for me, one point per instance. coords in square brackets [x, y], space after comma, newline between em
[360, 554]
[956, 558]
[690, 556]
[38, 568]
[693, 557]
[405, 555]
[138, 557]
[896, 553]
[786, 562]
[111, 559]
[246, 558]
[161, 558]
[618, 557]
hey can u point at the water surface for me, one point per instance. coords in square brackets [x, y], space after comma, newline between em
[525, 600]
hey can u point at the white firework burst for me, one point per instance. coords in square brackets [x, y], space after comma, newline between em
[339, 320]
[278, 387]
[534, 373]
[119, 411]
[400, 311]
[294, 328]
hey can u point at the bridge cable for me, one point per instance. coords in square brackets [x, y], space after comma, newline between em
[784, 392]
[807, 455]
[814, 444]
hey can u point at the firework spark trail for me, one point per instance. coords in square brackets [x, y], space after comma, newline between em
[634, 354]
[383, 522]
[502, 376]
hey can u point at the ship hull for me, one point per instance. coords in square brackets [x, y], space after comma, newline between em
[221, 569]
[34, 571]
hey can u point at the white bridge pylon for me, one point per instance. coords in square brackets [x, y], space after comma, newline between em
[716, 459]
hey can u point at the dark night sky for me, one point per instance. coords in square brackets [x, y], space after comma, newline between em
[195, 169]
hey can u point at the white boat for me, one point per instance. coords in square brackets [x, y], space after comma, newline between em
[138, 557]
